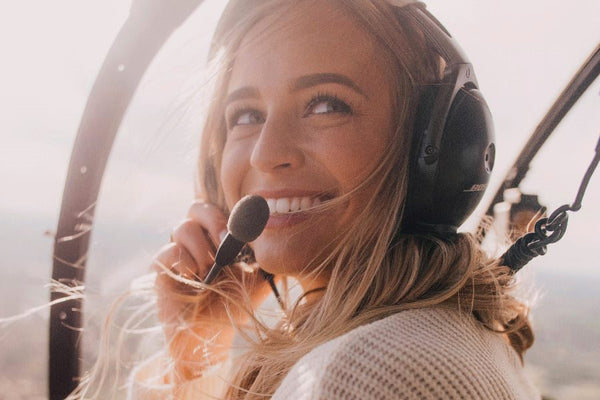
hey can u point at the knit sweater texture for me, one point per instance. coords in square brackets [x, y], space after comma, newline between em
[431, 353]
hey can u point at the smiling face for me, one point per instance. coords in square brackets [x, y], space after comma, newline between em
[308, 115]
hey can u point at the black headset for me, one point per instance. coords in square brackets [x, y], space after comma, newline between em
[453, 150]
[451, 158]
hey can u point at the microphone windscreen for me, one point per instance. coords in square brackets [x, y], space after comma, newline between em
[248, 218]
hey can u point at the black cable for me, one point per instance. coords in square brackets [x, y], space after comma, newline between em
[586, 179]
[271, 280]
[548, 230]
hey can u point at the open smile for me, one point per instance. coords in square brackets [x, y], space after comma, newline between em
[288, 205]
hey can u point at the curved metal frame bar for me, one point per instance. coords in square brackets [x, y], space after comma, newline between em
[148, 26]
[583, 78]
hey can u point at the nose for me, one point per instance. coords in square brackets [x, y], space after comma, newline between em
[277, 148]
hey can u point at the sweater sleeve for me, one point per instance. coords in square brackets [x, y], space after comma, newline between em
[419, 354]
[147, 382]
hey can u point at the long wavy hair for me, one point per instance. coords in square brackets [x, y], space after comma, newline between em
[375, 269]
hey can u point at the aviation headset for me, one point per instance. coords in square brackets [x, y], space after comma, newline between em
[453, 148]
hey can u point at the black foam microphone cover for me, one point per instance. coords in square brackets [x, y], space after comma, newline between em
[246, 222]
[248, 218]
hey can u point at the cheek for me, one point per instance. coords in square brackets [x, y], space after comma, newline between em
[233, 164]
[352, 160]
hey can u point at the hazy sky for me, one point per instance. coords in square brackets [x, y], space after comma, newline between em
[524, 53]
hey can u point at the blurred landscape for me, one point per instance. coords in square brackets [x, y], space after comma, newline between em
[565, 358]
[564, 361]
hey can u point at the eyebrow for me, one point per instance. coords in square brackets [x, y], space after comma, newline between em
[246, 92]
[311, 80]
[304, 82]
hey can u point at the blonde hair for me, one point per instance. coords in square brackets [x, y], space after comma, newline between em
[375, 270]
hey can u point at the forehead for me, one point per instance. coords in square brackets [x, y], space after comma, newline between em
[309, 37]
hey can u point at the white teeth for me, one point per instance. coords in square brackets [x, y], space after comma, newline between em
[305, 203]
[291, 204]
[283, 205]
[295, 204]
[271, 203]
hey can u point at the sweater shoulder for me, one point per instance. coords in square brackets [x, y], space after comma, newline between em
[416, 354]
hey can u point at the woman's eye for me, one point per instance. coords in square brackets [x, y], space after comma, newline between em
[245, 117]
[327, 105]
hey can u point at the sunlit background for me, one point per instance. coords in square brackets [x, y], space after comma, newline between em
[524, 53]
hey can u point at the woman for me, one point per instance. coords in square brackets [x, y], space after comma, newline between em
[314, 109]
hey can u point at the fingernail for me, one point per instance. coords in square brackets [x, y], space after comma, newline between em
[222, 235]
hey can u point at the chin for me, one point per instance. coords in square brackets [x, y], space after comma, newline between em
[291, 257]
[278, 258]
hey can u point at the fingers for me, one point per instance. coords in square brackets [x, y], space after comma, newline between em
[175, 258]
[211, 218]
[191, 238]
[197, 237]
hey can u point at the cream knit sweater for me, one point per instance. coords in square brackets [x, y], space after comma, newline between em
[433, 353]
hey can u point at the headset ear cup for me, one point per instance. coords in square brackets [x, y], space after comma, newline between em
[446, 185]
[452, 146]
[466, 159]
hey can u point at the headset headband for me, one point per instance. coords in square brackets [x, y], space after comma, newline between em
[403, 3]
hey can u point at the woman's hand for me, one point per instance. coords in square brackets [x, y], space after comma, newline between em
[196, 320]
